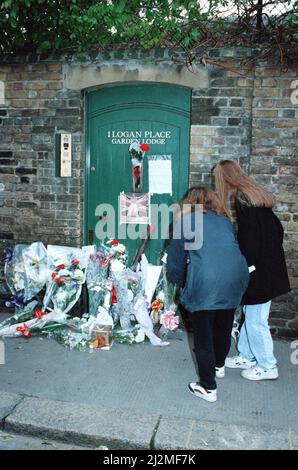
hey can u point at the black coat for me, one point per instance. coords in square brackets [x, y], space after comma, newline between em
[260, 237]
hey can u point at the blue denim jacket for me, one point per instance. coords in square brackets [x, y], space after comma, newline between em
[214, 276]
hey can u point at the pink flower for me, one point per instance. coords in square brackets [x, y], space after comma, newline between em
[169, 320]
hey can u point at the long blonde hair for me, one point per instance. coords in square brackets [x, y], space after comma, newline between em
[230, 179]
[204, 196]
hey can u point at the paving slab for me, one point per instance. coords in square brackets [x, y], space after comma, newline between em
[10, 441]
[8, 401]
[185, 434]
[82, 424]
[148, 379]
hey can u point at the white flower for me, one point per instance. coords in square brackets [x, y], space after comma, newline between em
[79, 276]
[116, 265]
[161, 296]
[118, 248]
[64, 273]
[44, 275]
[96, 288]
[129, 295]
[60, 295]
[140, 337]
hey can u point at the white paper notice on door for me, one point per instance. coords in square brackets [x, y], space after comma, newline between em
[160, 174]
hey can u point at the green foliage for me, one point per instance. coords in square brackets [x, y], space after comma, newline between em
[82, 25]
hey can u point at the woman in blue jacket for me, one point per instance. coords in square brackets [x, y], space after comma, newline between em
[214, 276]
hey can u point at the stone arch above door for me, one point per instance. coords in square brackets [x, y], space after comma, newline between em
[81, 76]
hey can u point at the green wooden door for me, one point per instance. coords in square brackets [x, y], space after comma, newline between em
[156, 114]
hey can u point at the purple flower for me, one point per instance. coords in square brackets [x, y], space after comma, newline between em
[16, 301]
[8, 255]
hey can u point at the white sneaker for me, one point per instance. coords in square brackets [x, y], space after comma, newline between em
[220, 372]
[199, 391]
[257, 373]
[239, 362]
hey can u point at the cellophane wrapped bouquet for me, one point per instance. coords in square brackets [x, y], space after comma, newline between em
[164, 311]
[26, 275]
[124, 305]
[97, 281]
[67, 266]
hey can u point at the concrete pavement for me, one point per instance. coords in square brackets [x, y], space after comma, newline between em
[134, 397]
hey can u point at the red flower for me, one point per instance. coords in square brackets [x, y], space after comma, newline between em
[114, 296]
[39, 313]
[59, 280]
[60, 266]
[54, 275]
[144, 147]
[75, 262]
[101, 341]
[24, 330]
[157, 305]
[136, 171]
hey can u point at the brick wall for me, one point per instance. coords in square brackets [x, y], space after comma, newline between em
[253, 120]
[35, 204]
[274, 162]
[249, 118]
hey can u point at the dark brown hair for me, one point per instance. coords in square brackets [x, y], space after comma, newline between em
[204, 196]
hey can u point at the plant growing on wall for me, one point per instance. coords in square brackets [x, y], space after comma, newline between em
[85, 25]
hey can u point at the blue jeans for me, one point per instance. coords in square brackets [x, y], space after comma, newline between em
[255, 340]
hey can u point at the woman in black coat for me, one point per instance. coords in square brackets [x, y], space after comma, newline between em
[260, 237]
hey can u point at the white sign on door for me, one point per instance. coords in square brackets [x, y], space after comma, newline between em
[160, 174]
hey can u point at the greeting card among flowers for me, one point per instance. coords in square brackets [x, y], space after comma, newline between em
[134, 208]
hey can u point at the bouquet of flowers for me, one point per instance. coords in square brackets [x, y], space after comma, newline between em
[97, 278]
[141, 311]
[117, 252]
[36, 324]
[72, 334]
[132, 304]
[21, 315]
[137, 152]
[35, 263]
[68, 267]
[14, 271]
[164, 308]
[127, 284]
[135, 335]
[25, 272]
[169, 322]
